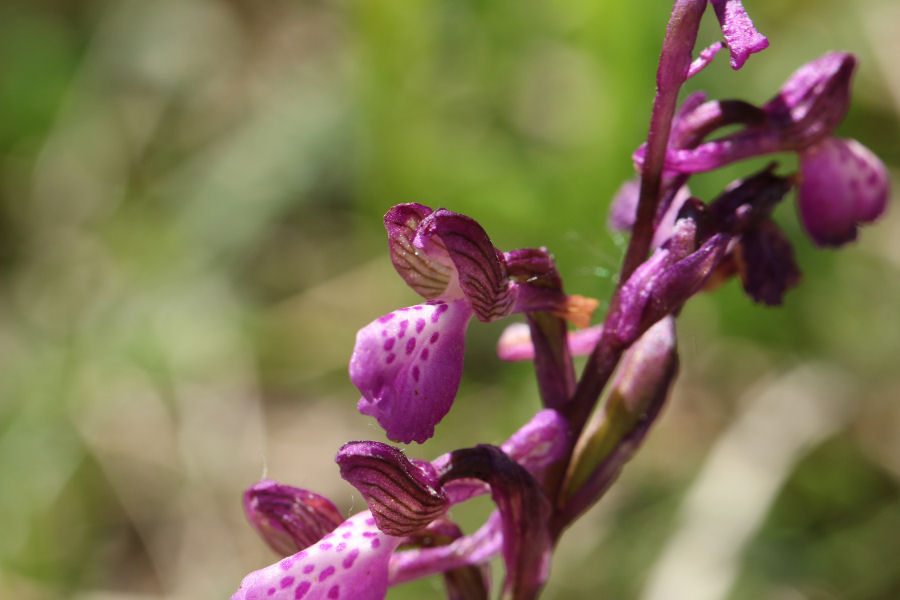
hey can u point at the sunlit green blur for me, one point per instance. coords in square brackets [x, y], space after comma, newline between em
[191, 195]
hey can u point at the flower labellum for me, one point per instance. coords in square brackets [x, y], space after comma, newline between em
[843, 184]
[350, 563]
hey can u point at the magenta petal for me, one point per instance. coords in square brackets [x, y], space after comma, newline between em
[350, 563]
[422, 262]
[407, 365]
[623, 208]
[843, 185]
[741, 36]
[481, 269]
[289, 518]
[515, 342]
[814, 99]
[404, 497]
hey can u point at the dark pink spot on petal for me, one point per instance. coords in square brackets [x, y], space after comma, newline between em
[271, 592]
[410, 346]
[420, 325]
[434, 337]
[348, 562]
[417, 307]
[389, 343]
[369, 534]
[325, 546]
[286, 582]
[347, 524]
[391, 358]
[443, 308]
[403, 325]
[386, 318]
[424, 354]
[370, 522]
[415, 373]
[376, 542]
[347, 535]
[302, 589]
[326, 573]
[286, 563]
[341, 547]
[308, 569]
[335, 592]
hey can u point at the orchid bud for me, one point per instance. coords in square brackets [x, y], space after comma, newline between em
[404, 497]
[636, 397]
[288, 518]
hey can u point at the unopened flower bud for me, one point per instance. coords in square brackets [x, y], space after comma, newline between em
[637, 395]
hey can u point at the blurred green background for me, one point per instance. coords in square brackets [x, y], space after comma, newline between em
[191, 195]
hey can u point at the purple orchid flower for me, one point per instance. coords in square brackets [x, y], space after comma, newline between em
[408, 363]
[358, 560]
[842, 183]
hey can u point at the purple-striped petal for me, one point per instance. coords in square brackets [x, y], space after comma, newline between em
[288, 518]
[423, 261]
[843, 184]
[407, 366]
[402, 496]
[351, 563]
[481, 269]
[524, 515]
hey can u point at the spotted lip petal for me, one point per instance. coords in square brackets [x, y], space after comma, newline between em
[843, 185]
[408, 364]
[351, 563]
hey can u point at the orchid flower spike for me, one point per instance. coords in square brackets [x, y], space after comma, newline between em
[358, 559]
[408, 363]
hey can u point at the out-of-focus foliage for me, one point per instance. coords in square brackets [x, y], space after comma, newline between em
[190, 204]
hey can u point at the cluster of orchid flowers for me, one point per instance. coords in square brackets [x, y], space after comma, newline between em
[408, 364]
